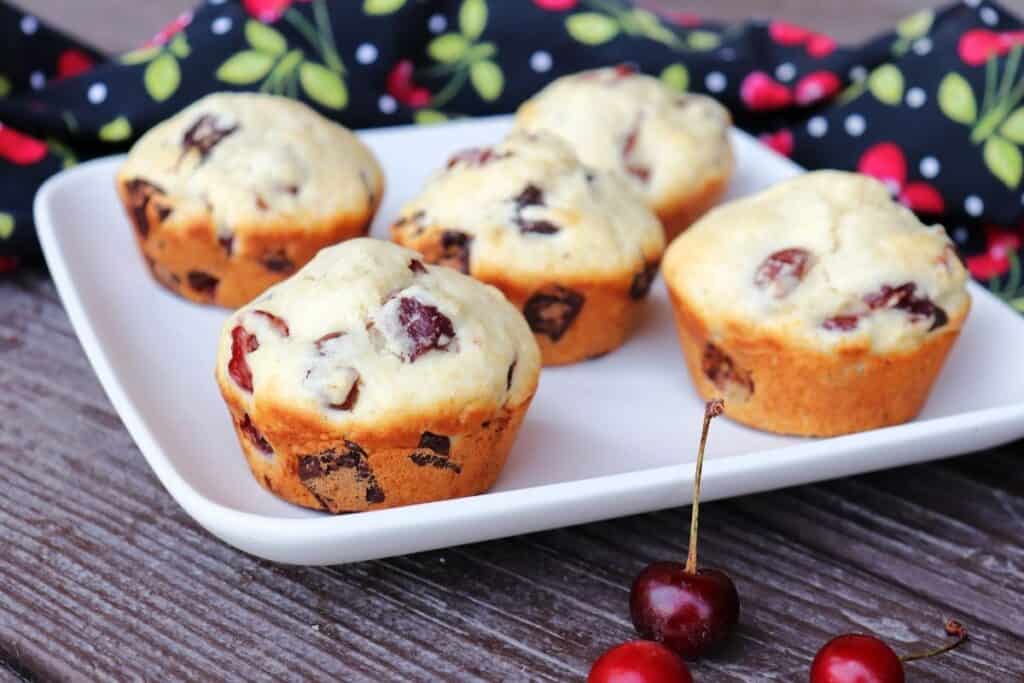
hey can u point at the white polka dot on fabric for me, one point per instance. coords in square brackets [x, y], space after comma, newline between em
[855, 124]
[989, 16]
[785, 71]
[437, 23]
[960, 234]
[221, 25]
[916, 97]
[922, 46]
[96, 93]
[715, 81]
[217, 2]
[387, 104]
[37, 79]
[817, 126]
[929, 167]
[973, 205]
[972, 3]
[858, 73]
[29, 24]
[366, 53]
[540, 61]
[892, 185]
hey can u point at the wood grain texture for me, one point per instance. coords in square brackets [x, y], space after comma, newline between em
[104, 577]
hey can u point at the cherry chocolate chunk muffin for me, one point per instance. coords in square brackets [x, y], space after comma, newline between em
[672, 147]
[818, 307]
[573, 248]
[370, 380]
[238, 191]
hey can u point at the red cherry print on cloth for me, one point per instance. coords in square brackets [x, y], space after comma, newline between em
[923, 198]
[639, 661]
[19, 148]
[815, 87]
[996, 259]
[978, 44]
[760, 92]
[8, 264]
[679, 18]
[400, 86]
[1010, 39]
[886, 162]
[170, 30]
[556, 5]
[73, 62]
[785, 33]
[268, 11]
[819, 45]
[781, 141]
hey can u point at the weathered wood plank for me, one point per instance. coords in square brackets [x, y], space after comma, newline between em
[9, 674]
[103, 577]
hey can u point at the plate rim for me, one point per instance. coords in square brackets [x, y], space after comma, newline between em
[232, 524]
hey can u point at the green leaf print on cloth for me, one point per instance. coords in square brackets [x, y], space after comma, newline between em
[999, 123]
[282, 69]
[162, 75]
[463, 59]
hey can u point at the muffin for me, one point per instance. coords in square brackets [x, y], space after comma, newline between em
[237, 191]
[370, 380]
[818, 307]
[673, 148]
[575, 249]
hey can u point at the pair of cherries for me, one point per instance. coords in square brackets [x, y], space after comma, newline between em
[682, 611]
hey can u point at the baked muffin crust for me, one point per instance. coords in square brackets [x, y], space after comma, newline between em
[238, 190]
[818, 307]
[414, 374]
[574, 248]
[672, 148]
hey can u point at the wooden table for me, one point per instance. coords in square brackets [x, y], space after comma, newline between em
[104, 577]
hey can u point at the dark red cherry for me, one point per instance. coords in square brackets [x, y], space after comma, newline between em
[688, 609]
[859, 658]
[639, 661]
[856, 658]
[205, 134]
[427, 327]
[242, 343]
[689, 612]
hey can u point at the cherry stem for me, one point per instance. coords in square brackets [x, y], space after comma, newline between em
[953, 628]
[712, 409]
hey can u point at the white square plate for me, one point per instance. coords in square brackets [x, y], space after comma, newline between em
[603, 438]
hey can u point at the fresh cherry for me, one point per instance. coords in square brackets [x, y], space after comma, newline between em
[858, 658]
[688, 609]
[639, 661]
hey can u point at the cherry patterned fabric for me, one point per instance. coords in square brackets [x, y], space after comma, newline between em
[934, 107]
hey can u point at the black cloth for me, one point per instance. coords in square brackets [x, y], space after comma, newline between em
[933, 107]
